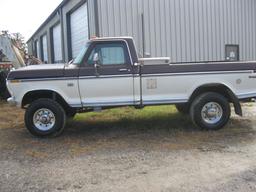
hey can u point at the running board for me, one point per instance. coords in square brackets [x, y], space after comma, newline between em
[97, 109]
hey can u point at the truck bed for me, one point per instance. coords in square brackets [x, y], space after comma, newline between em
[199, 67]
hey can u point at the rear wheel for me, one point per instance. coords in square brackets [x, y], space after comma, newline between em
[210, 111]
[45, 118]
[182, 108]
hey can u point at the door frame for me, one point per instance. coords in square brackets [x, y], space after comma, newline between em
[87, 71]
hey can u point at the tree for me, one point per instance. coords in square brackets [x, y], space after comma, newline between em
[17, 39]
[19, 42]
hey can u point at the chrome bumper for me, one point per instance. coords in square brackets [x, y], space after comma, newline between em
[12, 101]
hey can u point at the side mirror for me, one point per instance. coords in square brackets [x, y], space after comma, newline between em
[96, 58]
[137, 64]
[96, 63]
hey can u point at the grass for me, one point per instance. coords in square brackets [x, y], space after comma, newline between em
[10, 116]
[152, 128]
[157, 117]
[149, 128]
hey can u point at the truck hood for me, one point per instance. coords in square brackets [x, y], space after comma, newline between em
[38, 72]
[42, 67]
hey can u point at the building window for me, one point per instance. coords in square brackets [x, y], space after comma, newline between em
[232, 52]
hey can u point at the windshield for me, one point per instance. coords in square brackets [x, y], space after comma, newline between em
[79, 58]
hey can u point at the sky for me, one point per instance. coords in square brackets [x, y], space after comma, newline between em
[25, 16]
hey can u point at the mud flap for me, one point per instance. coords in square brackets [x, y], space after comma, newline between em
[237, 105]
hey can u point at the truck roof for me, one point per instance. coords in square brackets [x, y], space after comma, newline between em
[112, 38]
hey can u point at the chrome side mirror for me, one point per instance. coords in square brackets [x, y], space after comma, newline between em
[96, 63]
[139, 64]
[96, 58]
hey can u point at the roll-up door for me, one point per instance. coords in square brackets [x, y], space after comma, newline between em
[79, 29]
[57, 50]
[44, 48]
[37, 49]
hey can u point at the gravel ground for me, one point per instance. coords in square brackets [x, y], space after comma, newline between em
[132, 159]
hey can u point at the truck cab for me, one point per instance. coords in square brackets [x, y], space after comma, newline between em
[107, 73]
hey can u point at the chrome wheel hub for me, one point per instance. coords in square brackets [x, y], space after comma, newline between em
[212, 113]
[44, 119]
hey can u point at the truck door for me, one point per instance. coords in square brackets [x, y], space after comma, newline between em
[109, 82]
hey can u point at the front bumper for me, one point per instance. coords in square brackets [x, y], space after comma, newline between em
[12, 101]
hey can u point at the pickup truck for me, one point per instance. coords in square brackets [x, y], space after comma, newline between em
[108, 73]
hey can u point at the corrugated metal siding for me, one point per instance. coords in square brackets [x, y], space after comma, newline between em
[91, 18]
[185, 30]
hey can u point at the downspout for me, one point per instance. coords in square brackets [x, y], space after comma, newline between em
[96, 18]
[143, 54]
[143, 34]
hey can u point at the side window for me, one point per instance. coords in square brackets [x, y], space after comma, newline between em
[109, 54]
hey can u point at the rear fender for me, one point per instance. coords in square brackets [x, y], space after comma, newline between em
[221, 89]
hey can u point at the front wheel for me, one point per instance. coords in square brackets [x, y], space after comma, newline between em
[210, 111]
[45, 118]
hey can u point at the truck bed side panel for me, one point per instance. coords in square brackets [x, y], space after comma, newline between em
[176, 83]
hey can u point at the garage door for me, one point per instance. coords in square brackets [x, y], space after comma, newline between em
[37, 49]
[79, 29]
[44, 48]
[57, 50]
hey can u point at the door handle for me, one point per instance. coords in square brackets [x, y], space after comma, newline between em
[124, 70]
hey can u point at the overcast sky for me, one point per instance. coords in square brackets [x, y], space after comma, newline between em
[25, 16]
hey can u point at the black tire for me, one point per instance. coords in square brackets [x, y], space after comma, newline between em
[2, 83]
[4, 93]
[183, 108]
[198, 105]
[55, 108]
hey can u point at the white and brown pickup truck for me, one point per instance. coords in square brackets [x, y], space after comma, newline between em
[108, 73]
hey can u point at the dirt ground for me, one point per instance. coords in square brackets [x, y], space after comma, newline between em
[129, 158]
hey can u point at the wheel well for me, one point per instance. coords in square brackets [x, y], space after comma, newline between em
[222, 90]
[217, 88]
[34, 95]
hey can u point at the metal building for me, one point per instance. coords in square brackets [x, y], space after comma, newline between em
[184, 30]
